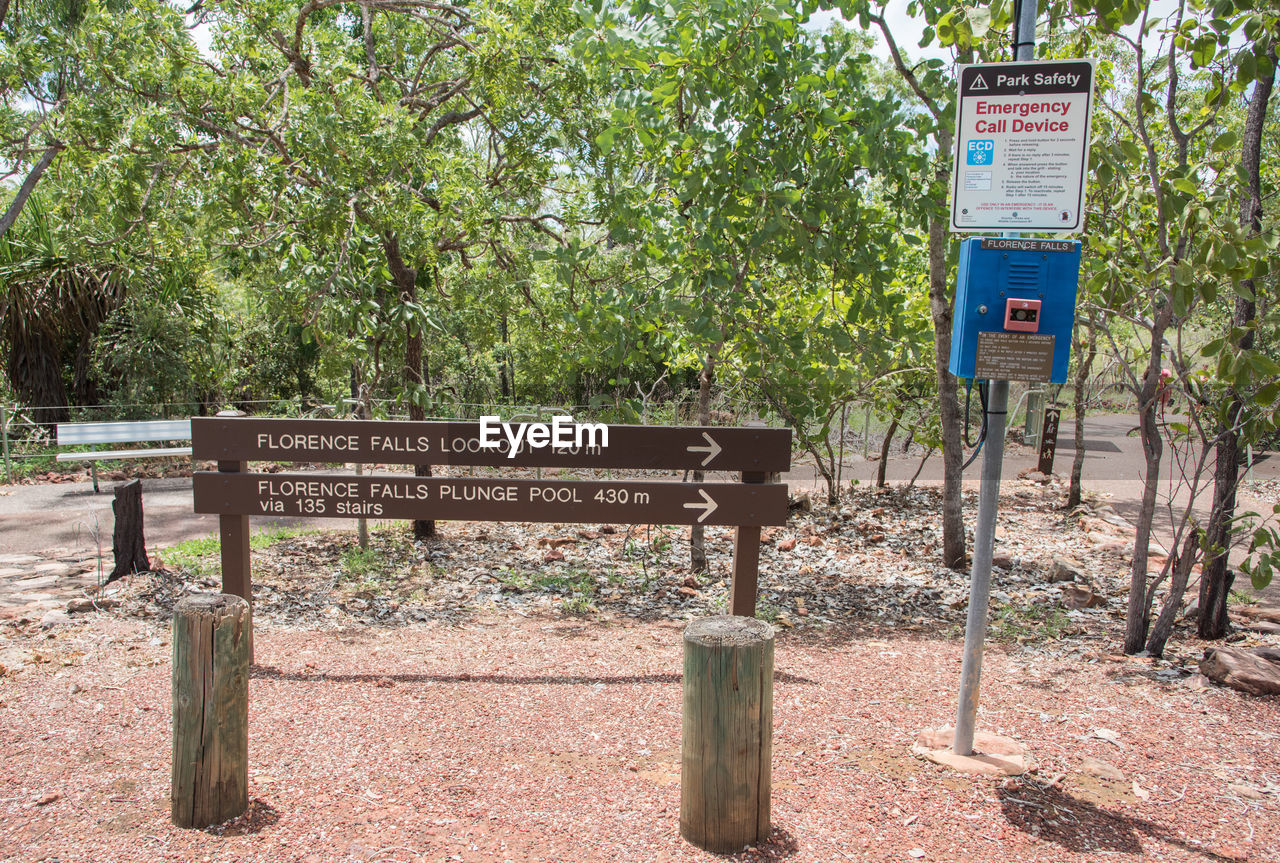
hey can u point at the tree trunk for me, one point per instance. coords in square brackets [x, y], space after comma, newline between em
[942, 310]
[35, 371]
[1215, 582]
[1182, 564]
[29, 184]
[1137, 617]
[884, 449]
[1075, 491]
[697, 540]
[505, 372]
[406, 279]
[128, 544]
[363, 411]
[84, 387]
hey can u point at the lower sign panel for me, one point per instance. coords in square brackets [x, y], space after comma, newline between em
[346, 496]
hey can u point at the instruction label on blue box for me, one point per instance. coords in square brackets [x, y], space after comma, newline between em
[1014, 356]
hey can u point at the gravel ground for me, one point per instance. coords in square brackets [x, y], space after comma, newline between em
[497, 702]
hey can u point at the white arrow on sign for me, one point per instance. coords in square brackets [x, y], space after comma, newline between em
[708, 506]
[712, 451]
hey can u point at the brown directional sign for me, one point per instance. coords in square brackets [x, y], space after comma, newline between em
[1048, 440]
[409, 497]
[459, 443]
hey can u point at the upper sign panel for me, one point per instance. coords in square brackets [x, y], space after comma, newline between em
[1022, 146]
[459, 443]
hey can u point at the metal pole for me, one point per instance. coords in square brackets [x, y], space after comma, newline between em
[984, 540]
[4, 434]
[984, 543]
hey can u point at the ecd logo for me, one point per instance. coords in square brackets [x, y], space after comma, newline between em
[981, 152]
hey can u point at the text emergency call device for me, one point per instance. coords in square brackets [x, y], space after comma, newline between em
[1015, 309]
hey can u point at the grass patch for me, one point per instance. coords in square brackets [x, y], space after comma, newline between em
[365, 564]
[766, 611]
[1031, 623]
[1238, 597]
[577, 588]
[200, 555]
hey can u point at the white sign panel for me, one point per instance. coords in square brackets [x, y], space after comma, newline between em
[1022, 146]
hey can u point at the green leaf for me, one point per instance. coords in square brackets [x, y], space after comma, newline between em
[1212, 348]
[1268, 395]
[1225, 141]
[1261, 576]
[1263, 365]
[1203, 51]
[1247, 69]
[979, 20]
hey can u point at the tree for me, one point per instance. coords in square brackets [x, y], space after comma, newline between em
[54, 305]
[1167, 248]
[1259, 64]
[821, 347]
[425, 129]
[75, 86]
[971, 32]
[77, 121]
[756, 143]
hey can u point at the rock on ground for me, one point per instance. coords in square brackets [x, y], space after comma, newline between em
[1241, 670]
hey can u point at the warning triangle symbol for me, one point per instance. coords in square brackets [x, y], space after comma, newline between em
[978, 83]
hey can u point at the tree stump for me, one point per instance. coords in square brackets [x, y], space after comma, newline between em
[127, 542]
[725, 770]
[210, 778]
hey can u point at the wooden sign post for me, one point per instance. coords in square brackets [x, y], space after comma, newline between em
[1048, 440]
[234, 494]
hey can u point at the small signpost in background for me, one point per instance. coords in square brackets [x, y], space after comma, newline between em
[1048, 440]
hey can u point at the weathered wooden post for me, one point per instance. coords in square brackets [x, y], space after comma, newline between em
[725, 772]
[210, 778]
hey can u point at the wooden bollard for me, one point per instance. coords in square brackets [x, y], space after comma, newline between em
[725, 772]
[210, 779]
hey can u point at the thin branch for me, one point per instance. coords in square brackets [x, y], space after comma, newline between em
[450, 119]
[908, 75]
[28, 186]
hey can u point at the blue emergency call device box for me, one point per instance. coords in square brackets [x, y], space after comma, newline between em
[1015, 309]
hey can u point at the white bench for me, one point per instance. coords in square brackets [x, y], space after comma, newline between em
[85, 434]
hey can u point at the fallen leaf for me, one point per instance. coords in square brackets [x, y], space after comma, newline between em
[1108, 735]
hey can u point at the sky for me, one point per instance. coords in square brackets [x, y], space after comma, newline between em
[906, 31]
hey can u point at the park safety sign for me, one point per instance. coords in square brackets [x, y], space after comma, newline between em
[1022, 146]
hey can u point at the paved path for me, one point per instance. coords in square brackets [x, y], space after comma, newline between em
[1113, 466]
[55, 539]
